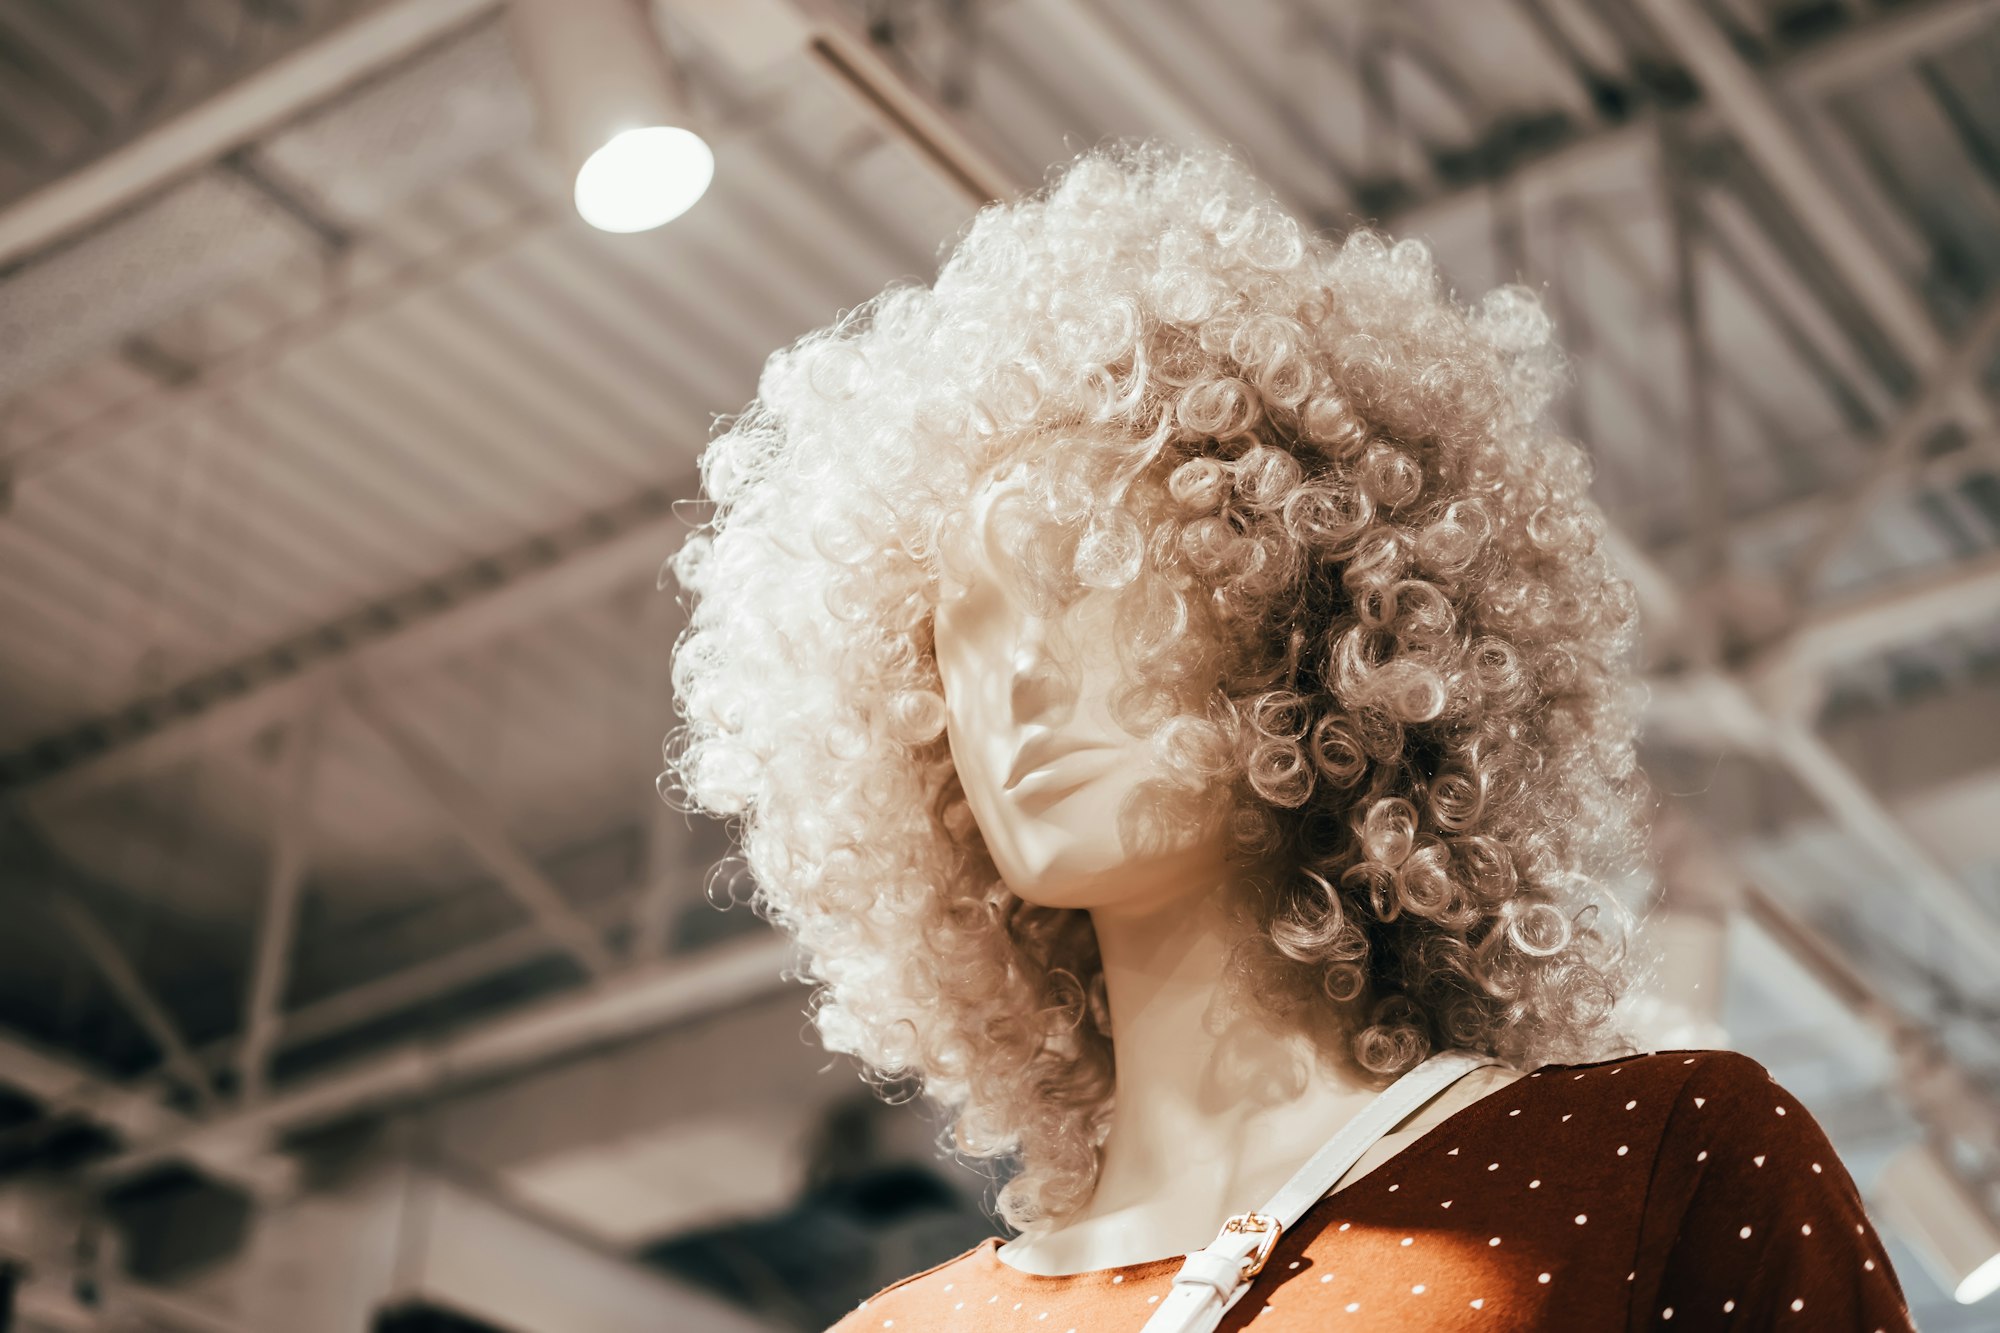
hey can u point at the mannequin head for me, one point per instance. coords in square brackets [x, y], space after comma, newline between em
[1268, 522]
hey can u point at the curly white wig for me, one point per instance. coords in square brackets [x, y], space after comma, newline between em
[1299, 453]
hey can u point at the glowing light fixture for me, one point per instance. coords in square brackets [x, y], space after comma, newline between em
[613, 110]
[1951, 1231]
[643, 178]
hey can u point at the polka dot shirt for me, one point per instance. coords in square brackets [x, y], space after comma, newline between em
[1680, 1190]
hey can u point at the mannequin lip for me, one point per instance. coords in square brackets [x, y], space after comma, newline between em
[1042, 750]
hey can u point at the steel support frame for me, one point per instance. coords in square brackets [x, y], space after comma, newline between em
[204, 133]
[636, 1002]
[484, 832]
[277, 929]
[613, 544]
[132, 991]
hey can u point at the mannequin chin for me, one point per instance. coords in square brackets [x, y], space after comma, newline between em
[1060, 788]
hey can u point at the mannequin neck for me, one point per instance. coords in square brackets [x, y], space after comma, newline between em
[1215, 1107]
[1202, 1077]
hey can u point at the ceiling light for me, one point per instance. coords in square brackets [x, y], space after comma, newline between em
[612, 110]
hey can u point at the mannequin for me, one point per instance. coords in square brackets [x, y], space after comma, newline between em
[1168, 680]
[1214, 1115]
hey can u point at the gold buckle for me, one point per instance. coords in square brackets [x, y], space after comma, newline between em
[1258, 1224]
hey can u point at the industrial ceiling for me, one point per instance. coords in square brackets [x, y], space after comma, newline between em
[339, 459]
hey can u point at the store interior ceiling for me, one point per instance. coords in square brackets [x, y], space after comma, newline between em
[338, 459]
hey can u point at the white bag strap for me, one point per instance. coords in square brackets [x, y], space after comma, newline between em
[1213, 1279]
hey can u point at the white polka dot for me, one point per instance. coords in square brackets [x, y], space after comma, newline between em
[1581, 1218]
[1667, 1313]
[959, 1306]
[1479, 1304]
[1017, 1305]
[949, 1285]
[1816, 1170]
[1629, 1276]
[991, 1299]
[1566, 1117]
[1417, 1290]
[1701, 1156]
[1744, 1233]
[1798, 1305]
[1543, 1278]
[1780, 1110]
[1758, 1159]
[1409, 1240]
[1629, 1105]
[1687, 1062]
[1515, 1111]
[1493, 1166]
[1452, 1153]
[1574, 1079]
[1352, 1306]
[1394, 1188]
[1117, 1279]
[1152, 1300]
[1043, 1315]
[1700, 1102]
[1295, 1263]
[1445, 1204]
[1494, 1241]
[1534, 1184]
[1325, 1278]
[1806, 1230]
[1624, 1148]
[1858, 1231]
[888, 1323]
[1345, 1225]
[1868, 1264]
[1727, 1306]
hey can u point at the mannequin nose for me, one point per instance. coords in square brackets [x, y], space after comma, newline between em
[1038, 693]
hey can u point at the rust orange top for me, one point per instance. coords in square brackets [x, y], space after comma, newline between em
[1679, 1190]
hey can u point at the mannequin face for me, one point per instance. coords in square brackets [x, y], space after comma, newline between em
[1054, 780]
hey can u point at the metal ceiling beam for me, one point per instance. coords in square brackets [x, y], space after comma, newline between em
[1936, 1086]
[1890, 37]
[133, 992]
[239, 114]
[1954, 374]
[484, 831]
[481, 600]
[418, 984]
[65, 1087]
[1961, 596]
[277, 931]
[1750, 110]
[634, 1003]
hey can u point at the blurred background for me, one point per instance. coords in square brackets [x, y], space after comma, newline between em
[352, 977]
